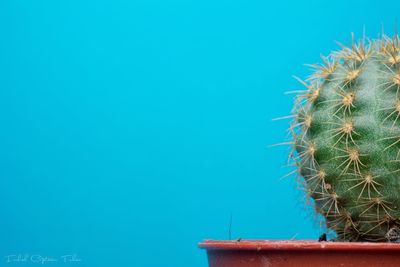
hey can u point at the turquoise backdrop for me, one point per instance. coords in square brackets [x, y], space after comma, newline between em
[131, 130]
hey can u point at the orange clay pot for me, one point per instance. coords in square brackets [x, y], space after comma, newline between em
[266, 253]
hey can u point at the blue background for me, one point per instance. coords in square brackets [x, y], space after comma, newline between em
[131, 130]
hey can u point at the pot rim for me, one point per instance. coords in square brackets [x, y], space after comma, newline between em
[292, 245]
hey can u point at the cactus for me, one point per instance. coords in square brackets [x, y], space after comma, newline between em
[346, 140]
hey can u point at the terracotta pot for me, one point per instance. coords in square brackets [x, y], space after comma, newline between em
[265, 253]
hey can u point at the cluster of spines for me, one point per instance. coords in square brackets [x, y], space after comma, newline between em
[347, 65]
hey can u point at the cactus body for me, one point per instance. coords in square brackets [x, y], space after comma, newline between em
[347, 140]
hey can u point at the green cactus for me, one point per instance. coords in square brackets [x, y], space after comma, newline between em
[346, 140]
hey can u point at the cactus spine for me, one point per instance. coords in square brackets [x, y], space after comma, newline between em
[346, 138]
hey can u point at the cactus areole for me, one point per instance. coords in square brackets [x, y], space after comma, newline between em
[346, 138]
